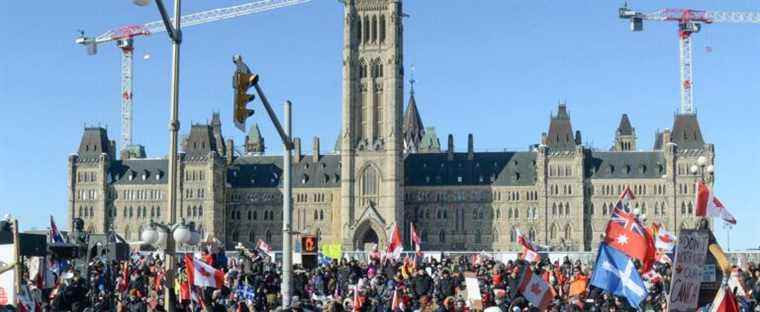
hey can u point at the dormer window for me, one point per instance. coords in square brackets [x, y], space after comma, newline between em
[131, 176]
[627, 169]
[144, 176]
[305, 179]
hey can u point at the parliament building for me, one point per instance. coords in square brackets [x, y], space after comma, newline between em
[388, 169]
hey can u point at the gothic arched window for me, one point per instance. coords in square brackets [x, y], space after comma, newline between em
[477, 236]
[374, 28]
[532, 234]
[553, 232]
[268, 237]
[251, 236]
[370, 185]
[382, 28]
[568, 232]
[442, 236]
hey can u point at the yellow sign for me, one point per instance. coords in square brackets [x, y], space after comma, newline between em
[334, 251]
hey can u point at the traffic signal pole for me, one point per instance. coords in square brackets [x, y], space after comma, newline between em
[243, 79]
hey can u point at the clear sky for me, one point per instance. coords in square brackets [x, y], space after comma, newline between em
[493, 68]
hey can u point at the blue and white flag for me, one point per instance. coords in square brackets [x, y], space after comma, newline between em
[615, 272]
[246, 292]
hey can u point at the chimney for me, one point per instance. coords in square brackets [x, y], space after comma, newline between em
[297, 150]
[315, 149]
[451, 147]
[230, 151]
[470, 148]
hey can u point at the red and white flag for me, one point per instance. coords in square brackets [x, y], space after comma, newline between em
[416, 240]
[663, 240]
[724, 301]
[396, 246]
[202, 274]
[265, 248]
[530, 250]
[710, 206]
[535, 289]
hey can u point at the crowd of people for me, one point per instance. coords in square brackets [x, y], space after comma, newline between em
[252, 283]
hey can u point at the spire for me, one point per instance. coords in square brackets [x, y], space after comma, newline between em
[254, 142]
[625, 126]
[560, 136]
[625, 136]
[686, 132]
[413, 130]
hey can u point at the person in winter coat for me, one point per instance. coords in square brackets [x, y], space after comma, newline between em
[446, 286]
[422, 284]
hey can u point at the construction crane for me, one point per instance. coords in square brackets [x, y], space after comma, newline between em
[689, 22]
[124, 37]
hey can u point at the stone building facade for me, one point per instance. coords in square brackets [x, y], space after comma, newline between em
[388, 169]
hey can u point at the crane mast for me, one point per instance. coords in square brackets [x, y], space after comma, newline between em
[689, 22]
[124, 37]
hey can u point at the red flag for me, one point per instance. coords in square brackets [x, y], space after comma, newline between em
[201, 274]
[724, 301]
[416, 240]
[710, 206]
[625, 233]
[396, 246]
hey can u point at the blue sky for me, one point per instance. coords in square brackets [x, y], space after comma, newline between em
[493, 68]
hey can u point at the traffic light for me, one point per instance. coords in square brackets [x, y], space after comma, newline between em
[310, 251]
[241, 82]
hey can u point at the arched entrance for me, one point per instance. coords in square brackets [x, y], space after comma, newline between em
[368, 240]
[367, 235]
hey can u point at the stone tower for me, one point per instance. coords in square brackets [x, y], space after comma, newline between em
[625, 136]
[254, 142]
[372, 142]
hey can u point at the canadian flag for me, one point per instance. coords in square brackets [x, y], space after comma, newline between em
[710, 206]
[530, 250]
[416, 240]
[202, 274]
[396, 246]
[535, 289]
[664, 240]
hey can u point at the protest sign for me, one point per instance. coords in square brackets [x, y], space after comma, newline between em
[688, 270]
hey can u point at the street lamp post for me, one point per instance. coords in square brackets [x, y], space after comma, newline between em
[175, 34]
[728, 226]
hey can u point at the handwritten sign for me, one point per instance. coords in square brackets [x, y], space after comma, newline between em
[688, 270]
